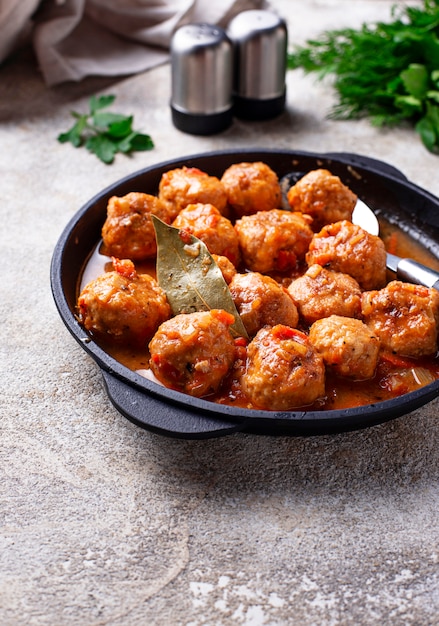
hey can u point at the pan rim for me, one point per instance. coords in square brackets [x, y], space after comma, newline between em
[386, 409]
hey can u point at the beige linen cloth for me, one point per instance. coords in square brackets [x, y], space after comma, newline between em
[73, 39]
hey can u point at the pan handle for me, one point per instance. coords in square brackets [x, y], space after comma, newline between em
[165, 418]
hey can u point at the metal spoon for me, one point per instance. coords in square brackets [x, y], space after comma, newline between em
[405, 269]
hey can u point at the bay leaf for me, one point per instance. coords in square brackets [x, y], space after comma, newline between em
[188, 274]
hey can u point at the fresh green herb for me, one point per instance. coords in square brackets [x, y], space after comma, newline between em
[103, 133]
[388, 72]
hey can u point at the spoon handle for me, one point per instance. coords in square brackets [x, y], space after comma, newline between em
[414, 272]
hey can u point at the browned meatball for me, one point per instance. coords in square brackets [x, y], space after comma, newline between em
[227, 268]
[321, 292]
[323, 196]
[284, 371]
[216, 231]
[348, 347]
[405, 317]
[190, 185]
[274, 240]
[251, 187]
[193, 352]
[128, 232]
[261, 301]
[123, 305]
[345, 247]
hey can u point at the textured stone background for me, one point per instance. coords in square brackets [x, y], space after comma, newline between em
[104, 523]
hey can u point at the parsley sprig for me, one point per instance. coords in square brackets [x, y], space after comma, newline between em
[388, 72]
[104, 133]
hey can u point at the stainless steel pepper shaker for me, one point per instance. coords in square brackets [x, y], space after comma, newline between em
[259, 39]
[202, 69]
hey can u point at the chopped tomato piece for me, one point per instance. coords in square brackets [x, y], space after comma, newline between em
[125, 268]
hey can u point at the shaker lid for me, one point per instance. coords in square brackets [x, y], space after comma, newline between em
[202, 67]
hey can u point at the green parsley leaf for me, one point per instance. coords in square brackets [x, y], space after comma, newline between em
[104, 133]
[124, 144]
[74, 135]
[101, 102]
[135, 142]
[103, 119]
[141, 142]
[121, 128]
[102, 147]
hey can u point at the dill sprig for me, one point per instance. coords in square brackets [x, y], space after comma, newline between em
[387, 71]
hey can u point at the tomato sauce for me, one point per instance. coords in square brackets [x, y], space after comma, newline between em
[394, 376]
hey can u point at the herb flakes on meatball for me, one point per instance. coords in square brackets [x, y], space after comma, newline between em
[193, 352]
[123, 305]
[261, 301]
[251, 187]
[189, 185]
[205, 222]
[284, 371]
[348, 347]
[322, 195]
[273, 241]
[405, 317]
[320, 292]
[128, 231]
[348, 248]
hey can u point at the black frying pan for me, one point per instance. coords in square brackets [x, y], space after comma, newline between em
[172, 413]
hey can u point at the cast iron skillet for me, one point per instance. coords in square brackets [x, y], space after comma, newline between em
[172, 413]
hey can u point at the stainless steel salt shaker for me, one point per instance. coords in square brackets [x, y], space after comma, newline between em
[202, 70]
[260, 40]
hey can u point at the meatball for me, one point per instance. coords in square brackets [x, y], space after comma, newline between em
[123, 305]
[345, 247]
[323, 196]
[405, 317]
[189, 185]
[261, 301]
[216, 231]
[274, 240]
[321, 292]
[128, 231]
[193, 352]
[227, 268]
[348, 347]
[284, 371]
[251, 187]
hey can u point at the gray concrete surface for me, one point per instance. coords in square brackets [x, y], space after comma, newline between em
[104, 523]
